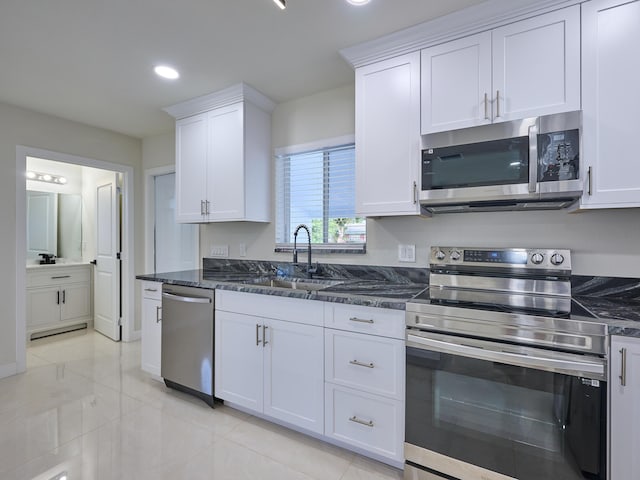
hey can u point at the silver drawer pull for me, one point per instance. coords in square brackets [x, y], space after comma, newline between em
[361, 422]
[158, 317]
[360, 364]
[623, 367]
[361, 320]
[60, 276]
[150, 289]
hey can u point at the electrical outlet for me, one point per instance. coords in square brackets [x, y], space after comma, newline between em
[220, 251]
[406, 253]
[243, 249]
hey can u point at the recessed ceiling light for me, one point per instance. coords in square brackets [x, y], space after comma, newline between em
[281, 3]
[165, 71]
[358, 2]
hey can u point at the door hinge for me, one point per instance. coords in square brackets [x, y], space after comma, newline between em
[118, 256]
[119, 321]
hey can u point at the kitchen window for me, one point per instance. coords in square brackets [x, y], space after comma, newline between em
[316, 187]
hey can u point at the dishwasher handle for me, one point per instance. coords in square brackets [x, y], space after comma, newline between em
[181, 298]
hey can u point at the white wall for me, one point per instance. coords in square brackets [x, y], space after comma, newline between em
[19, 126]
[605, 242]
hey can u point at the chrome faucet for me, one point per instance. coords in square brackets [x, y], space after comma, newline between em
[310, 270]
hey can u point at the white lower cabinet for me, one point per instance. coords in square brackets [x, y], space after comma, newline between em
[271, 362]
[58, 297]
[365, 379]
[624, 387]
[151, 327]
[371, 422]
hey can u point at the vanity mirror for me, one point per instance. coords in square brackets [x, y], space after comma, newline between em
[54, 225]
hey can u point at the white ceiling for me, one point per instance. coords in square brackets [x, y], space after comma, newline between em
[91, 60]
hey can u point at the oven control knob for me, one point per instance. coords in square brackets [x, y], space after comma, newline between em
[454, 255]
[440, 255]
[557, 259]
[537, 258]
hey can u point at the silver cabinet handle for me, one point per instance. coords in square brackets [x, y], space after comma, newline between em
[360, 364]
[361, 422]
[257, 334]
[264, 335]
[206, 206]
[360, 320]
[497, 103]
[623, 367]
[158, 317]
[64, 296]
[486, 106]
[60, 276]
[415, 193]
[201, 207]
[150, 289]
[590, 181]
[58, 297]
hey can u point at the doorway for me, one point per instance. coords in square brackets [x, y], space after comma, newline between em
[119, 238]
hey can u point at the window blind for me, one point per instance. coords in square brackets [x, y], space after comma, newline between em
[317, 189]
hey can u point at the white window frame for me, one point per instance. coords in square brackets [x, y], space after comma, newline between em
[328, 143]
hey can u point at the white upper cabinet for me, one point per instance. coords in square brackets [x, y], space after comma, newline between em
[388, 136]
[610, 102]
[191, 162]
[456, 84]
[223, 157]
[524, 69]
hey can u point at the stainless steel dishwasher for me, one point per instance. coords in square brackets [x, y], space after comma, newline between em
[187, 340]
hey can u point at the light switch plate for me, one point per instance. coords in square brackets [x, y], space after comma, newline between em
[406, 253]
[220, 251]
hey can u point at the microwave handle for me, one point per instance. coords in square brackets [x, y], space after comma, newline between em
[533, 158]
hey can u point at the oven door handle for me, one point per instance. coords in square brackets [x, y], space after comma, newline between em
[482, 350]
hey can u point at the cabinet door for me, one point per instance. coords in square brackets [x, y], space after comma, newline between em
[43, 306]
[625, 409]
[151, 335]
[225, 173]
[388, 136]
[456, 84]
[293, 374]
[238, 359]
[610, 79]
[191, 168]
[75, 301]
[536, 66]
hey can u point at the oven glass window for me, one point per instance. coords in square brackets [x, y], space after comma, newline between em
[498, 162]
[520, 422]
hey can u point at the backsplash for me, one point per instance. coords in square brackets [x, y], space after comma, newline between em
[396, 275]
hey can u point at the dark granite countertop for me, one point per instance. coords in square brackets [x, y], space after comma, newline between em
[371, 293]
[390, 287]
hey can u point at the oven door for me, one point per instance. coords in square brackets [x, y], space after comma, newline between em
[481, 409]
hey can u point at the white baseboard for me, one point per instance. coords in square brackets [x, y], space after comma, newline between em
[8, 370]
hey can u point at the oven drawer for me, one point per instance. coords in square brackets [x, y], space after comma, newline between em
[366, 362]
[374, 321]
[370, 422]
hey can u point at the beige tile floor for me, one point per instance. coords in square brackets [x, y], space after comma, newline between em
[84, 409]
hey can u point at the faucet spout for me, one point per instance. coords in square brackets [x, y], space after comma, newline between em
[310, 270]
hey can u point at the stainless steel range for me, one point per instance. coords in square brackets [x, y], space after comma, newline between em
[506, 374]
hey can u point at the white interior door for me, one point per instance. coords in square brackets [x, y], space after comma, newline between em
[107, 277]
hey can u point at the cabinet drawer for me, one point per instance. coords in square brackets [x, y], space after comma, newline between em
[374, 321]
[297, 310]
[44, 276]
[373, 423]
[152, 290]
[365, 362]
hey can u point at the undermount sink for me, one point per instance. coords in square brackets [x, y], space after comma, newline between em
[296, 284]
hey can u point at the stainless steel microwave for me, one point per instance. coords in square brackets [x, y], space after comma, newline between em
[532, 163]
